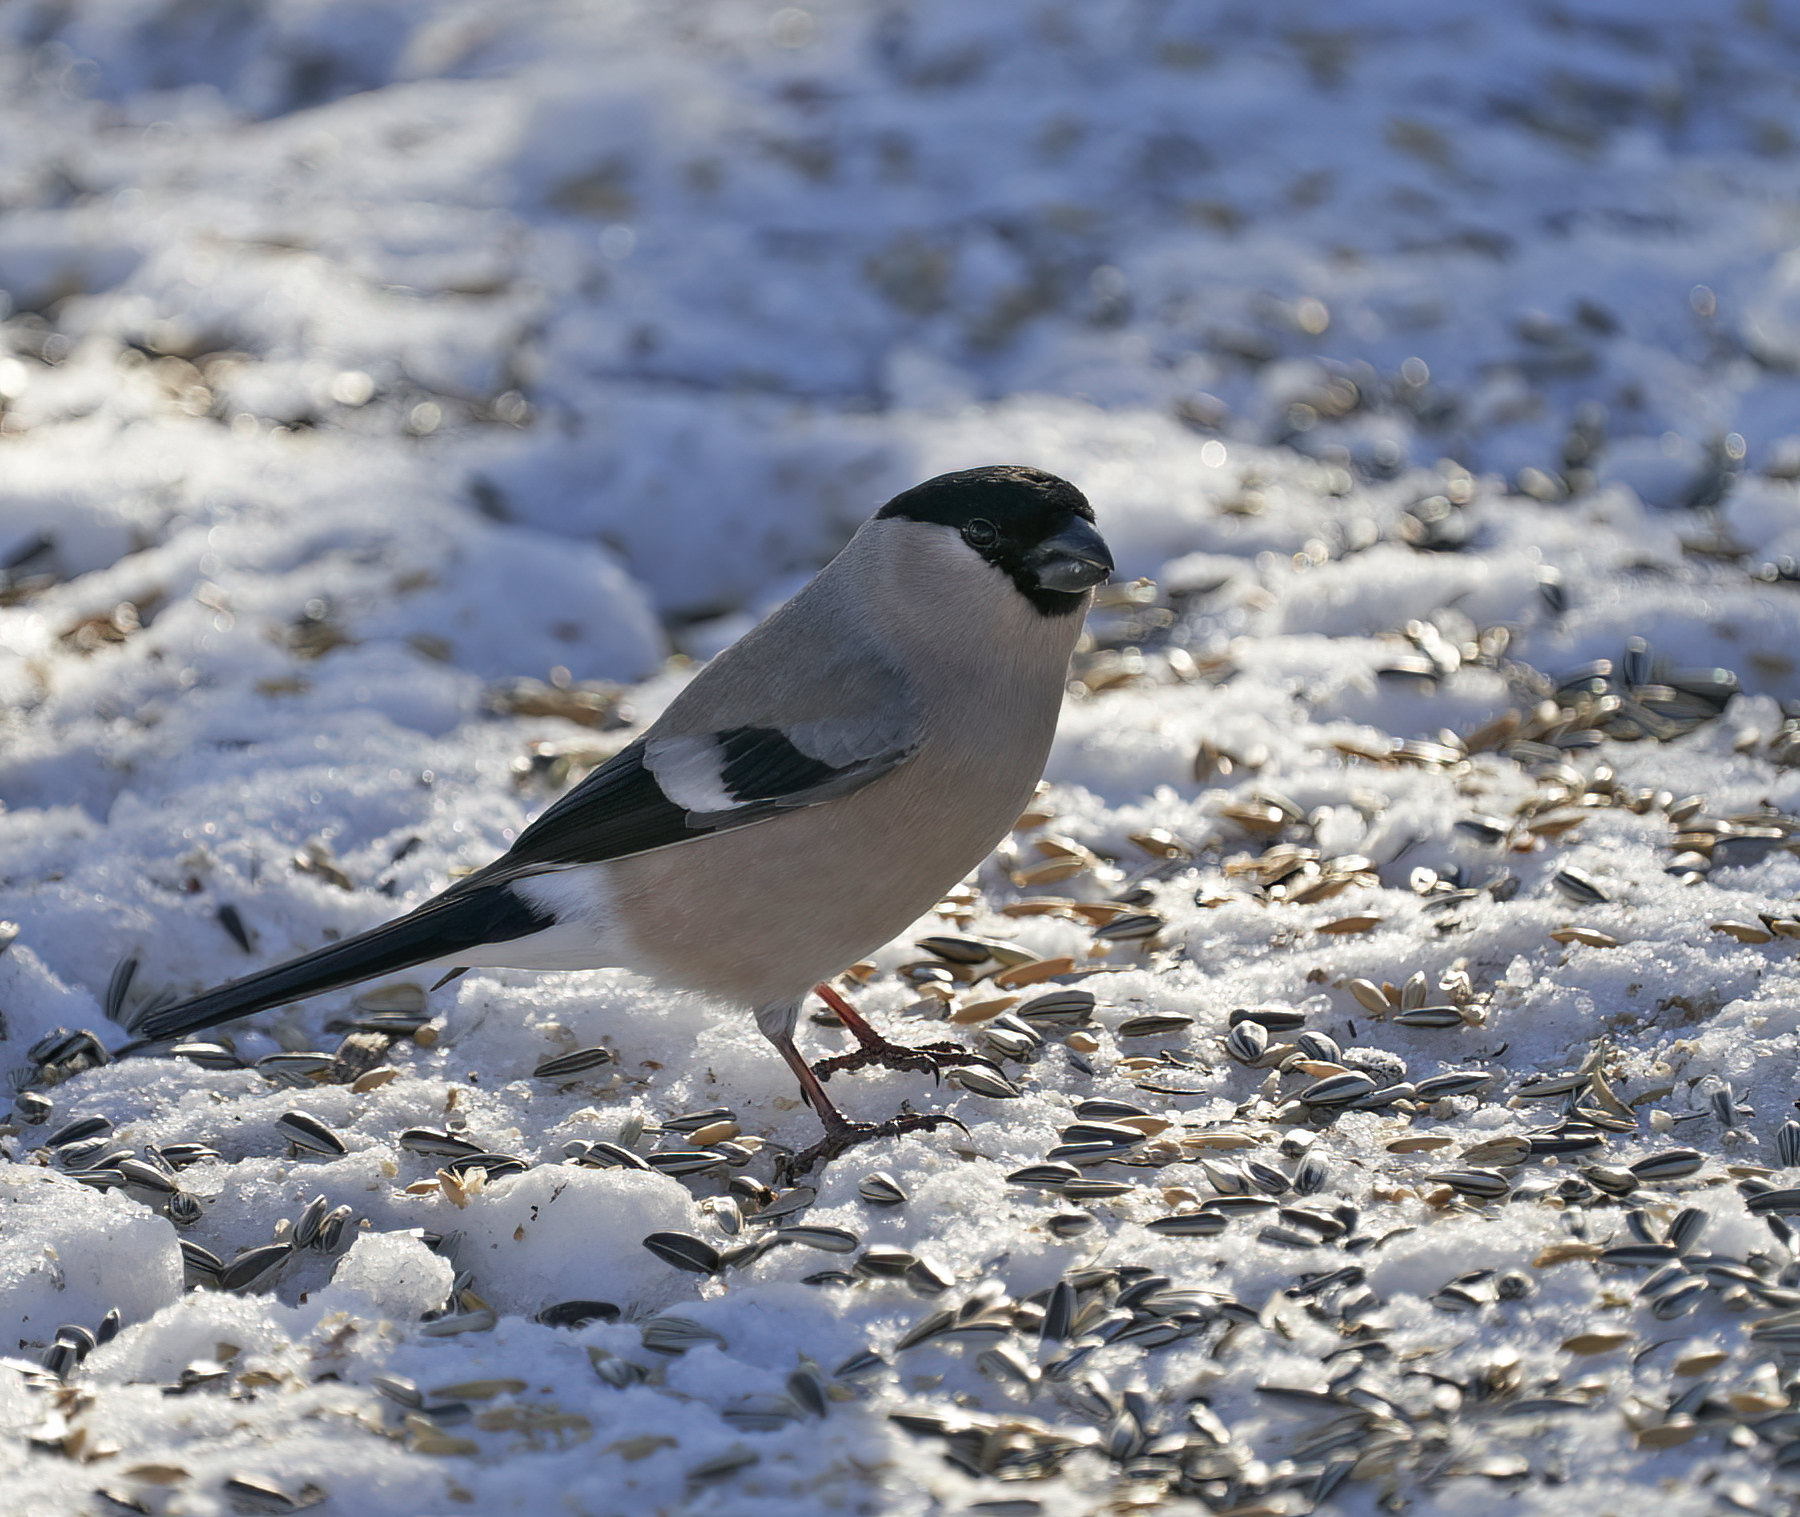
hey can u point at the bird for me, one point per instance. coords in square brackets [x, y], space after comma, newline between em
[900, 707]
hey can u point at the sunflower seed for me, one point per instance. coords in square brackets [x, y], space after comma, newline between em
[1673, 1164]
[692, 1121]
[492, 1165]
[562, 1066]
[1044, 1176]
[787, 1203]
[1430, 1016]
[96, 1153]
[481, 1320]
[576, 1314]
[295, 1069]
[1640, 1255]
[831, 1240]
[78, 1130]
[201, 1263]
[33, 1106]
[678, 1163]
[307, 1132]
[1237, 1206]
[146, 1177]
[695, 1255]
[1095, 1190]
[1485, 1184]
[207, 1055]
[1457, 1082]
[1193, 1224]
[399, 1390]
[983, 1082]
[1247, 1042]
[1153, 1026]
[1337, 1090]
[68, 1045]
[252, 1265]
[603, 1155]
[881, 1189]
[1580, 887]
[1679, 1300]
[1785, 1202]
[1059, 1008]
[1100, 1109]
[98, 1179]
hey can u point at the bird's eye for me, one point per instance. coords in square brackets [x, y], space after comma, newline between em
[981, 534]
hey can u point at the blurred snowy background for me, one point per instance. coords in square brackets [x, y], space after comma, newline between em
[388, 387]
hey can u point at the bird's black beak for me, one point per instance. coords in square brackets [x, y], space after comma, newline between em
[1075, 559]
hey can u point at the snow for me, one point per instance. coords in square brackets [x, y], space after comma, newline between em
[359, 362]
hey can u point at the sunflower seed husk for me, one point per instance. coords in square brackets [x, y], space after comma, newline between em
[252, 1265]
[604, 1155]
[1247, 1042]
[1485, 1184]
[146, 1177]
[482, 1320]
[1456, 1082]
[881, 1189]
[575, 1314]
[679, 1163]
[1338, 1090]
[296, 1069]
[399, 1390]
[1673, 1164]
[1044, 1176]
[82, 1128]
[831, 1240]
[565, 1066]
[207, 1055]
[1058, 1008]
[670, 1334]
[307, 1132]
[695, 1255]
[1371, 997]
[983, 1082]
[1580, 887]
[1430, 1016]
[1153, 1026]
[1194, 1224]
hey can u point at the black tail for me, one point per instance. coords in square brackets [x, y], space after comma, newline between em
[464, 917]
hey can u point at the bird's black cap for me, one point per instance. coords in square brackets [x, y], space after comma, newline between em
[1010, 514]
[1021, 501]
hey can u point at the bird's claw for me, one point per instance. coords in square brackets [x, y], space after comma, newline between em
[844, 1135]
[932, 1057]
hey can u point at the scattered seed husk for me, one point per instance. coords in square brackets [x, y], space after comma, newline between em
[309, 1133]
[695, 1255]
[566, 1066]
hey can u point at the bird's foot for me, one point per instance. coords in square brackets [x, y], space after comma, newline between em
[841, 1135]
[875, 1049]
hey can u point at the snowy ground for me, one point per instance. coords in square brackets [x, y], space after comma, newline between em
[364, 362]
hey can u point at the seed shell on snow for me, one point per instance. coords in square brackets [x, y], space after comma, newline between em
[982, 1082]
[685, 1252]
[307, 1132]
[881, 1189]
[563, 1066]
[831, 1240]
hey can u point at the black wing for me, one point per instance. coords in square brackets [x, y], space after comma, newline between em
[660, 792]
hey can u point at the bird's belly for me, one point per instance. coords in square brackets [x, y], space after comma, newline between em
[763, 913]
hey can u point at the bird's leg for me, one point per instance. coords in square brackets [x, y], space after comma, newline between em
[840, 1132]
[875, 1049]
